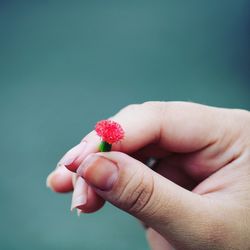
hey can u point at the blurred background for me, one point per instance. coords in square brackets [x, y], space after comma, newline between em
[66, 64]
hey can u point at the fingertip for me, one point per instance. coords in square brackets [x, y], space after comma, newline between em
[91, 145]
[60, 180]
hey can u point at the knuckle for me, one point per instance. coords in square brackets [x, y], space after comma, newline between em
[155, 107]
[145, 105]
[154, 104]
[137, 193]
[130, 107]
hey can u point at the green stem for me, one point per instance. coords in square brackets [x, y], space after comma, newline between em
[105, 147]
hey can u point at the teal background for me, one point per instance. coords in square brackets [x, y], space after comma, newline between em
[66, 64]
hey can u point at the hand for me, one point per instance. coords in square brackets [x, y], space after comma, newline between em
[197, 197]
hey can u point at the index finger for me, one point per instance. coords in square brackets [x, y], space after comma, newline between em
[177, 126]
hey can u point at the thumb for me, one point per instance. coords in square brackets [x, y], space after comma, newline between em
[133, 187]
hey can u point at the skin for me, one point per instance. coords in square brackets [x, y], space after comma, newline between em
[197, 195]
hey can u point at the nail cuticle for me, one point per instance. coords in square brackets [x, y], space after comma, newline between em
[85, 164]
[102, 174]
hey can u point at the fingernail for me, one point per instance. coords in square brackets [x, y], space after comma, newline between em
[99, 172]
[80, 193]
[72, 154]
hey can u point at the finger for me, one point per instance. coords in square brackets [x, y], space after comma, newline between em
[60, 180]
[73, 158]
[200, 164]
[176, 126]
[84, 198]
[136, 189]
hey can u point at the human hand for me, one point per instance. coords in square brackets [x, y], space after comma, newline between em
[198, 195]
